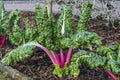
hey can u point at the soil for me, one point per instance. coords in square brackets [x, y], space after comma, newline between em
[39, 67]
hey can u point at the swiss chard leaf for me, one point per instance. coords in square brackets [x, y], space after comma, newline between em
[15, 33]
[81, 38]
[91, 59]
[18, 54]
[118, 52]
[84, 17]
[107, 51]
[3, 20]
[113, 66]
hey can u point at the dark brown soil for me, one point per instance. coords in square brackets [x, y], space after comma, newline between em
[39, 67]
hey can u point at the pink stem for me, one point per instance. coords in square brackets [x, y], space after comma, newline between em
[2, 40]
[111, 75]
[48, 52]
[56, 57]
[119, 76]
[62, 59]
[68, 57]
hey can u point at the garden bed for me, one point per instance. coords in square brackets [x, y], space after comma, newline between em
[39, 67]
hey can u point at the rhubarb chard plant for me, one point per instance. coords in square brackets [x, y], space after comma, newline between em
[57, 39]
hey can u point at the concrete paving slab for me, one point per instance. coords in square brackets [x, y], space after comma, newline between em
[31, 7]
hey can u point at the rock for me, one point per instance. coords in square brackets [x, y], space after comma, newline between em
[12, 73]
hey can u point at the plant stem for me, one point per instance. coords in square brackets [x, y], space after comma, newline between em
[111, 75]
[62, 59]
[118, 76]
[49, 8]
[48, 53]
[2, 40]
[69, 54]
[56, 57]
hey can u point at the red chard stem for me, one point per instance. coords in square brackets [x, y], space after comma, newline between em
[2, 40]
[56, 57]
[68, 57]
[48, 53]
[111, 75]
[118, 76]
[62, 59]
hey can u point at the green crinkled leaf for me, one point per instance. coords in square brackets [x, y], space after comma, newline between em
[30, 32]
[75, 63]
[108, 61]
[14, 16]
[66, 70]
[41, 17]
[15, 33]
[65, 22]
[75, 71]
[49, 37]
[91, 59]
[94, 60]
[41, 20]
[113, 66]
[118, 52]
[114, 47]
[107, 51]
[3, 19]
[84, 16]
[18, 54]
[45, 27]
[64, 25]
[81, 38]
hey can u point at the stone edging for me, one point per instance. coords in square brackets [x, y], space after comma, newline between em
[13, 73]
